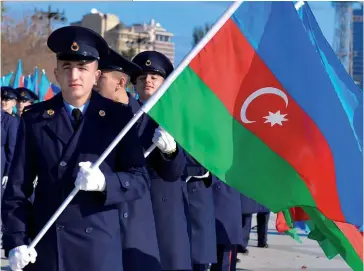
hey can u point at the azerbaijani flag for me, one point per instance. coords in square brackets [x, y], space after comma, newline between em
[35, 80]
[19, 78]
[55, 88]
[45, 89]
[348, 234]
[28, 82]
[264, 117]
[351, 98]
[5, 80]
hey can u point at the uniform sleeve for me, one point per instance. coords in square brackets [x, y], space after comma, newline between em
[170, 169]
[10, 143]
[130, 181]
[16, 209]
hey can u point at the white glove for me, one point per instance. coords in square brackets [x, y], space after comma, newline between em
[4, 180]
[90, 179]
[164, 141]
[20, 257]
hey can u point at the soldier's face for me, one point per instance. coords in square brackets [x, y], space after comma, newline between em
[107, 84]
[21, 104]
[147, 84]
[76, 78]
[7, 105]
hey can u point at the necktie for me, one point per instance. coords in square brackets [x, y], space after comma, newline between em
[77, 115]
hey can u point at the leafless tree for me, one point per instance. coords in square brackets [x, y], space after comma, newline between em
[25, 39]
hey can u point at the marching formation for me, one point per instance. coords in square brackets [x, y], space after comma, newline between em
[161, 211]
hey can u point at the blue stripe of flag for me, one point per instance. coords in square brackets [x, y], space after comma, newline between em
[277, 34]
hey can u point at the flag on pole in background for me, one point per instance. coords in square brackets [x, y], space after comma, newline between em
[19, 78]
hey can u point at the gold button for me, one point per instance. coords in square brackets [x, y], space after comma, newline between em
[102, 113]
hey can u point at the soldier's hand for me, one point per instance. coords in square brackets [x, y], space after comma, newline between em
[164, 141]
[4, 180]
[20, 257]
[90, 179]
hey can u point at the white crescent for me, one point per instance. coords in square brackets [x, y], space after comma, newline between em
[257, 93]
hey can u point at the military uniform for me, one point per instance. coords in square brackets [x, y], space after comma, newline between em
[140, 246]
[9, 127]
[249, 207]
[8, 94]
[168, 191]
[50, 144]
[201, 214]
[25, 95]
[228, 225]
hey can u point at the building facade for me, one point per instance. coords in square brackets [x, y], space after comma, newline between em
[357, 38]
[129, 40]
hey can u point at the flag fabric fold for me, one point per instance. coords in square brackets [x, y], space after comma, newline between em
[351, 99]
[19, 78]
[45, 89]
[6, 79]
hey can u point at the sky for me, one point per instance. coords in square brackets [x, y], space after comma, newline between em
[180, 18]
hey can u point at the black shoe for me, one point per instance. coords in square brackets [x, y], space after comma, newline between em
[243, 250]
[263, 245]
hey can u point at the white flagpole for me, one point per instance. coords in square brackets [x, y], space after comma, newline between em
[70, 197]
[149, 150]
[144, 109]
[191, 55]
[299, 4]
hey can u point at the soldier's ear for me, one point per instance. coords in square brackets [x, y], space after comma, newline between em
[56, 74]
[123, 82]
[97, 76]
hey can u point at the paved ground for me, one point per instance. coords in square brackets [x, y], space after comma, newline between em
[283, 254]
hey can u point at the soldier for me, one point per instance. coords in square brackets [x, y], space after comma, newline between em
[140, 246]
[58, 140]
[25, 97]
[9, 127]
[228, 225]
[201, 214]
[8, 99]
[250, 207]
[169, 195]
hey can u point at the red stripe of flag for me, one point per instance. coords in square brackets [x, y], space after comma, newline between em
[49, 94]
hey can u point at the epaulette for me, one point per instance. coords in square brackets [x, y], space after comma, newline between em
[28, 107]
[36, 107]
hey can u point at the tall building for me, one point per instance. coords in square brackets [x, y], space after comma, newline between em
[357, 39]
[129, 40]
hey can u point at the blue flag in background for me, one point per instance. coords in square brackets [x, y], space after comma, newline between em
[348, 92]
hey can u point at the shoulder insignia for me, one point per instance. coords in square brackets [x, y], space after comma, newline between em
[50, 112]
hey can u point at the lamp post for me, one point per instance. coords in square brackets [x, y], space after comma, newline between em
[50, 15]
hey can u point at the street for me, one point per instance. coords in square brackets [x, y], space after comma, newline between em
[283, 253]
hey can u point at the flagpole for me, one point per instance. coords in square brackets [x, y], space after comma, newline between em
[75, 190]
[191, 55]
[144, 109]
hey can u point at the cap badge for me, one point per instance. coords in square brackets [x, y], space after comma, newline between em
[148, 63]
[75, 47]
[23, 94]
[5, 93]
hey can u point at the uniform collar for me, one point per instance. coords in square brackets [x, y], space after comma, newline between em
[69, 107]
